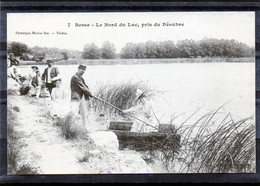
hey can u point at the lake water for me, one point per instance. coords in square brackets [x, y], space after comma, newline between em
[183, 88]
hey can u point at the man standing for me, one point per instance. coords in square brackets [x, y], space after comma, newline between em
[79, 93]
[48, 74]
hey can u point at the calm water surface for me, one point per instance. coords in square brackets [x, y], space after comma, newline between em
[183, 88]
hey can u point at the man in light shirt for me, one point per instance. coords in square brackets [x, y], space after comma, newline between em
[49, 74]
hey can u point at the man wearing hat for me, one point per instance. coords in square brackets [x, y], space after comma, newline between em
[49, 74]
[143, 109]
[32, 73]
[79, 93]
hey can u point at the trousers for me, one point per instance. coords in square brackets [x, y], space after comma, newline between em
[78, 107]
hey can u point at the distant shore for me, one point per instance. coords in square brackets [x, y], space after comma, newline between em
[143, 61]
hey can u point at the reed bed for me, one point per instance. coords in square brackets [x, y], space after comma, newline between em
[215, 143]
[121, 95]
[224, 147]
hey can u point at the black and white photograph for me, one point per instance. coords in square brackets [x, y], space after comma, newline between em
[131, 93]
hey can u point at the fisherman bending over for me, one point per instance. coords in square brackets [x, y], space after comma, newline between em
[144, 111]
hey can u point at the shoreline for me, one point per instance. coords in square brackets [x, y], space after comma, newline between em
[143, 61]
[84, 154]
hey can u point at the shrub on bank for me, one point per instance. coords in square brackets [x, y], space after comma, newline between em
[70, 129]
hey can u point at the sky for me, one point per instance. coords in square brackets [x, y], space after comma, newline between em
[195, 25]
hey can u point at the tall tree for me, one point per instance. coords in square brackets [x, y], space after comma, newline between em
[108, 50]
[128, 51]
[17, 48]
[91, 51]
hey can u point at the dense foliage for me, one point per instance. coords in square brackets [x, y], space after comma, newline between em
[187, 49]
[17, 48]
[108, 50]
[206, 47]
[91, 51]
[39, 53]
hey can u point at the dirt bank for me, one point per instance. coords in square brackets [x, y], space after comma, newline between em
[43, 147]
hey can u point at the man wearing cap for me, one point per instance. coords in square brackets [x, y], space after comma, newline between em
[49, 74]
[79, 93]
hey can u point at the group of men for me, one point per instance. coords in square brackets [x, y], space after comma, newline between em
[77, 84]
[79, 90]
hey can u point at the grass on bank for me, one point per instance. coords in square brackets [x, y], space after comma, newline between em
[13, 145]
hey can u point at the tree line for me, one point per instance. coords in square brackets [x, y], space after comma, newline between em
[187, 49]
[37, 53]
[167, 49]
[206, 47]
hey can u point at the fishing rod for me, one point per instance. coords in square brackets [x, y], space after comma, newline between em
[123, 111]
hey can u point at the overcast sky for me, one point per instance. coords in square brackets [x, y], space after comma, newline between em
[197, 25]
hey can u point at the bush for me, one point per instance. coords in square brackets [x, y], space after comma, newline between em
[69, 127]
[26, 169]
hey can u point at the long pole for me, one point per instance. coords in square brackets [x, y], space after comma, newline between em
[123, 111]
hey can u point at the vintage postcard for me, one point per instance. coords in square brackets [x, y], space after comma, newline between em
[144, 92]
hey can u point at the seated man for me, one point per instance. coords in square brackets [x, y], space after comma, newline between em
[25, 85]
[12, 72]
[143, 111]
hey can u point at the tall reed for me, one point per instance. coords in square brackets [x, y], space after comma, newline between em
[121, 95]
[224, 147]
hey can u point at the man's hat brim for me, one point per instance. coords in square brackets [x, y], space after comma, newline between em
[34, 67]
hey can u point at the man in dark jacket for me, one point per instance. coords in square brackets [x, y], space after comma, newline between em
[48, 74]
[79, 93]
